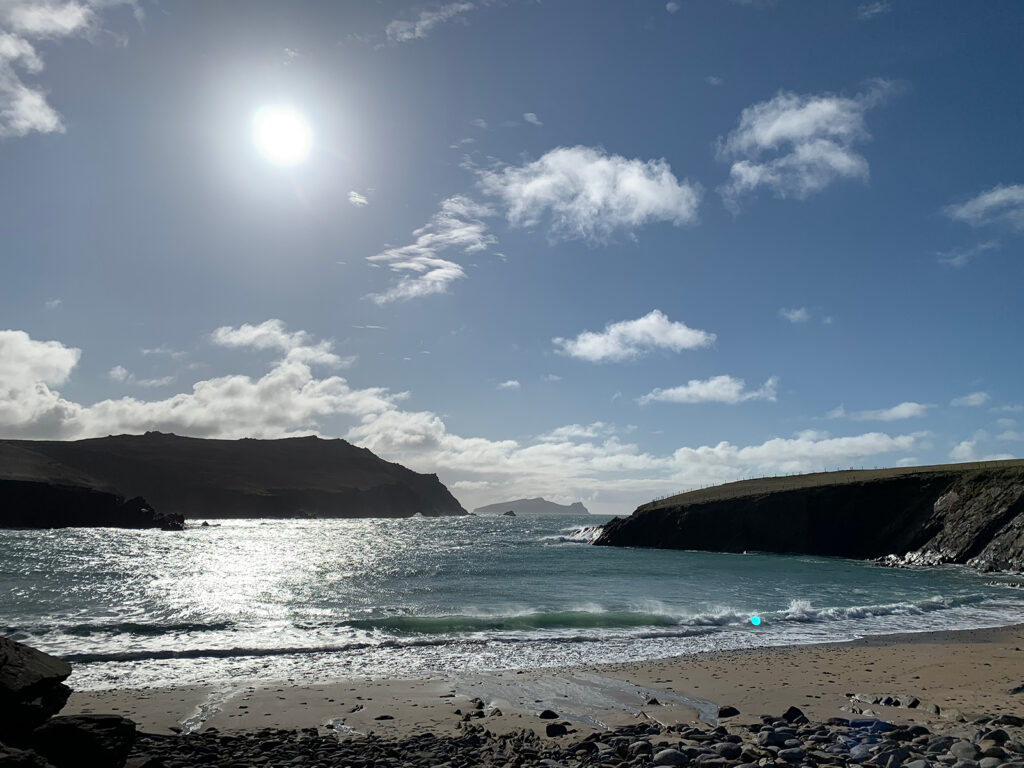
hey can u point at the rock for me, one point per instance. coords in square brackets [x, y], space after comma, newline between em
[860, 753]
[1011, 720]
[98, 741]
[769, 738]
[31, 688]
[996, 736]
[963, 750]
[653, 702]
[547, 714]
[1017, 689]
[916, 764]
[990, 762]
[639, 748]
[728, 750]
[510, 513]
[555, 729]
[727, 712]
[793, 754]
[21, 758]
[670, 757]
[384, 717]
[794, 715]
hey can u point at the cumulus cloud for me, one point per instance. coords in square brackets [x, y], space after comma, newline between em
[796, 315]
[271, 334]
[458, 225]
[717, 389]
[289, 399]
[797, 144]
[1003, 204]
[973, 400]
[532, 118]
[357, 199]
[23, 106]
[630, 339]
[672, 7]
[586, 193]
[402, 31]
[510, 384]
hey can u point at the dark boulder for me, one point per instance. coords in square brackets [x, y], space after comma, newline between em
[555, 729]
[99, 741]
[548, 714]
[510, 513]
[20, 758]
[31, 688]
[727, 712]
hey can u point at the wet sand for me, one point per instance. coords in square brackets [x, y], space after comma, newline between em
[969, 671]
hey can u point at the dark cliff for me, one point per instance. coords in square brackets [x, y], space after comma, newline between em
[194, 477]
[971, 514]
[30, 504]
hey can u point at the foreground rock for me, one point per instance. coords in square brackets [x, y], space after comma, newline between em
[774, 741]
[29, 504]
[972, 514]
[31, 689]
[293, 477]
[94, 740]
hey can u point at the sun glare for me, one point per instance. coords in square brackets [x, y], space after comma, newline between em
[282, 135]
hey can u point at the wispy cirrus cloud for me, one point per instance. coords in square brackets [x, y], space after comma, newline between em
[357, 199]
[797, 144]
[586, 193]
[629, 339]
[717, 389]
[1003, 204]
[458, 226]
[795, 314]
[961, 257]
[866, 11]
[402, 30]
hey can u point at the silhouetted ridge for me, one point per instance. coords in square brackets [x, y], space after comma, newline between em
[196, 477]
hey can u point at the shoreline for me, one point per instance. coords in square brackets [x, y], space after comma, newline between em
[964, 672]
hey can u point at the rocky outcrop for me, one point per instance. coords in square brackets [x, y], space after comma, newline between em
[29, 504]
[32, 691]
[31, 688]
[972, 514]
[192, 477]
[537, 506]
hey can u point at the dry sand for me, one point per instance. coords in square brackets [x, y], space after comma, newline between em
[971, 671]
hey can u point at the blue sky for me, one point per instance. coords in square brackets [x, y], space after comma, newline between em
[597, 251]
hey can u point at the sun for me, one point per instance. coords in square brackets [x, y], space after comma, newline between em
[282, 135]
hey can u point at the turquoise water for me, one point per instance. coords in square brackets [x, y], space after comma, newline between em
[316, 600]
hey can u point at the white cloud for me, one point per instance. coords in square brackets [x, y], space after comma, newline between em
[457, 225]
[1015, 408]
[510, 384]
[796, 315]
[960, 257]
[551, 377]
[357, 199]
[271, 334]
[714, 80]
[963, 451]
[532, 118]
[973, 400]
[796, 145]
[672, 7]
[121, 375]
[23, 107]
[1010, 435]
[401, 31]
[629, 339]
[582, 461]
[717, 389]
[479, 122]
[585, 193]
[118, 373]
[53, 303]
[1003, 204]
[867, 11]
[907, 410]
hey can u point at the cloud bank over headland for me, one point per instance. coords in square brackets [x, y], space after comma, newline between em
[293, 398]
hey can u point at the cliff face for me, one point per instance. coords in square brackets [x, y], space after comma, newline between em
[193, 477]
[29, 504]
[972, 515]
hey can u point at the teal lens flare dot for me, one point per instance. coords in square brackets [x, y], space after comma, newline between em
[755, 620]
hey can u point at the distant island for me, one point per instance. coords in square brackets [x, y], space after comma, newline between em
[536, 506]
[951, 513]
[201, 478]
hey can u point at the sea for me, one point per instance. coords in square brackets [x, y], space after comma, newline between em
[250, 601]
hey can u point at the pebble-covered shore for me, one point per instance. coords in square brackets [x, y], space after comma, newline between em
[786, 741]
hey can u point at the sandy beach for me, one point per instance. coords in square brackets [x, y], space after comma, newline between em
[962, 672]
